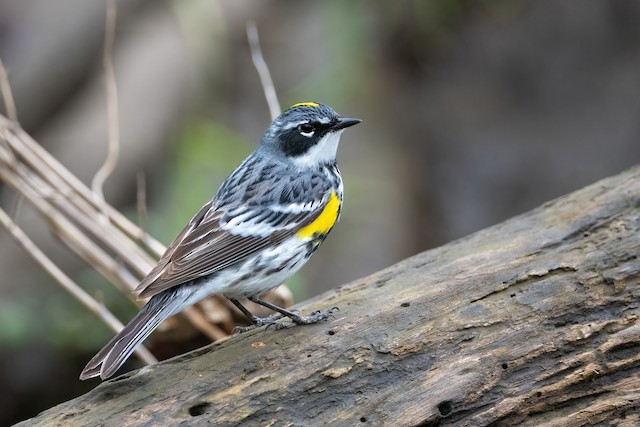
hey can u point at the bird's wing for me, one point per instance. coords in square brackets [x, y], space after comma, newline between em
[217, 238]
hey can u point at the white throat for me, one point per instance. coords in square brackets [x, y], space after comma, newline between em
[323, 152]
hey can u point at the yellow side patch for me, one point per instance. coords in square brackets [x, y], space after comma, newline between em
[325, 220]
[305, 104]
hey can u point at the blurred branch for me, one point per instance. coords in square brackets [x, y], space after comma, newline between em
[69, 285]
[71, 216]
[113, 127]
[7, 94]
[263, 70]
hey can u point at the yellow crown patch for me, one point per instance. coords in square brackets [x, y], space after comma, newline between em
[305, 104]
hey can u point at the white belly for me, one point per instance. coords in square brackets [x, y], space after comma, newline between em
[254, 276]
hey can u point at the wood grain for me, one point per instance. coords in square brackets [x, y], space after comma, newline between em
[532, 322]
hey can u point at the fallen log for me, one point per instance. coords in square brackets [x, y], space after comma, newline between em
[532, 322]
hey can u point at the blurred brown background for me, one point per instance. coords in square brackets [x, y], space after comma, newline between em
[474, 111]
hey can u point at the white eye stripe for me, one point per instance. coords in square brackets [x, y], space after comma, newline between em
[307, 134]
[295, 124]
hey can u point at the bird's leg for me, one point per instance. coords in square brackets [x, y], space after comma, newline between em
[255, 320]
[297, 319]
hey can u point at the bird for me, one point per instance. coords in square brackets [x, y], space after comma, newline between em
[264, 223]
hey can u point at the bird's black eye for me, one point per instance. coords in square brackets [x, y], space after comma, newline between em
[306, 129]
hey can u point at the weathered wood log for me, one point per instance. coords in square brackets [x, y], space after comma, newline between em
[531, 322]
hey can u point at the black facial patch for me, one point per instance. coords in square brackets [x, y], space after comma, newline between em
[294, 144]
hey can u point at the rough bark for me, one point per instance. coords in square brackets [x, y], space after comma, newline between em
[531, 322]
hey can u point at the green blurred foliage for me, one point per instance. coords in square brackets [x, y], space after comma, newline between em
[203, 155]
[340, 76]
[15, 321]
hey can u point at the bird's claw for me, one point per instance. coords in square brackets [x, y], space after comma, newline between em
[314, 317]
[258, 322]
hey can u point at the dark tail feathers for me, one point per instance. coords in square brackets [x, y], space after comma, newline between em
[117, 351]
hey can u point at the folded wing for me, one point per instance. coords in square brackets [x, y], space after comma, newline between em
[218, 237]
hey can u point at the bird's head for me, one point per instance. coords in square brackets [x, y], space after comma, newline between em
[307, 134]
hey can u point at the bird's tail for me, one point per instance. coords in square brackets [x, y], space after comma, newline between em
[117, 351]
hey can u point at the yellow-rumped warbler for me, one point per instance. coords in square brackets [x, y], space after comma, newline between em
[266, 220]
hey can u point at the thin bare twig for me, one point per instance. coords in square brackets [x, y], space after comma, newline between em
[263, 70]
[37, 193]
[17, 206]
[113, 128]
[59, 177]
[7, 94]
[69, 285]
[55, 200]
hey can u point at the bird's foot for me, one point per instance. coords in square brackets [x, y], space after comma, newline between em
[314, 317]
[257, 322]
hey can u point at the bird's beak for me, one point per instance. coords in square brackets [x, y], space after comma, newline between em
[344, 122]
